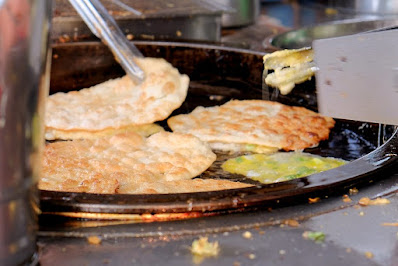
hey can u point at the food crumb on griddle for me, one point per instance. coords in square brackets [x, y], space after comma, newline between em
[365, 201]
[94, 240]
[353, 191]
[313, 200]
[247, 235]
[291, 222]
[369, 254]
[252, 256]
[390, 224]
[316, 236]
[346, 198]
[203, 247]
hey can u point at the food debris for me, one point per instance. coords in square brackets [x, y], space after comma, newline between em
[261, 232]
[369, 254]
[313, 200]
[361, 213]
[252, 256]
[346, 198]
[247, 235]
[130, 36]
[282, 252]
[316, 236]
[365, 201]
[348, 250]
[331, 11]
[94, 240]
[178, 33]
[353, 191]
[390, 224]
[203, 247]
[291, 222]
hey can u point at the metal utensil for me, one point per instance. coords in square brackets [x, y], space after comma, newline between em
[102, 24]
[24, 80]
[357, 76]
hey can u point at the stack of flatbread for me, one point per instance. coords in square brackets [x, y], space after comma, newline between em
[254, 125]
[117, 105]
[129, 163]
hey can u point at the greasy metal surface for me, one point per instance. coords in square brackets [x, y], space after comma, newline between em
[217, 75]
[350, 231]
[159, 20]
[303, 37]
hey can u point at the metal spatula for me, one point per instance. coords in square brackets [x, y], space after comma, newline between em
[357, 76]
[102, 24]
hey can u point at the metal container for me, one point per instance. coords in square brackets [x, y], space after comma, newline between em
[364, 6]
[158, 20]
[24, 25]
[303, 37]
[242, 12]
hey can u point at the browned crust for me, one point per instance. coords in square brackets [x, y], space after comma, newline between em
[256, 122]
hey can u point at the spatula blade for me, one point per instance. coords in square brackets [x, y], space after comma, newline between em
[358, 76]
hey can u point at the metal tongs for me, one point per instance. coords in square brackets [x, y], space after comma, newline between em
[102, 24]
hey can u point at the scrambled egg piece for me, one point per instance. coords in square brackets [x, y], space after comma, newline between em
[280, 166]
[203, 247]
[290, 67]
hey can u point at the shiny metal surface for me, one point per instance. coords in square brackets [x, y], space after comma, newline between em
[366, 6]
[303, 37]
[23, 85]
[102, 24]
[349, 70]
[243, 12]
[143, 20]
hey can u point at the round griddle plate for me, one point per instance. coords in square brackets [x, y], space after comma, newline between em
[217, 75]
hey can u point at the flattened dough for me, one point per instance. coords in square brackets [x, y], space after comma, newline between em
[119, 102]
[255, 122]
[129, 163]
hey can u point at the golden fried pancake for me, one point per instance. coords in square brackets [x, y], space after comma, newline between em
[143, 130]
[119, 102]
[124, 162]
[255, 122]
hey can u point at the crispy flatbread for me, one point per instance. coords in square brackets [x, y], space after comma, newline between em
[143, 130]
[119, 102]
[129, 163]
[256, 122]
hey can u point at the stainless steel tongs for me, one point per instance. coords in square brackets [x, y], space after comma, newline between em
[102, 24]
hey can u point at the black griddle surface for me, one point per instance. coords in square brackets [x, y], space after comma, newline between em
[217, 75]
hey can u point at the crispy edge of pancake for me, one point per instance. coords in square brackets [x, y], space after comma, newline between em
[143, 130]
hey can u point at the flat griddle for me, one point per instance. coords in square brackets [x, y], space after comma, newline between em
[217, 75]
